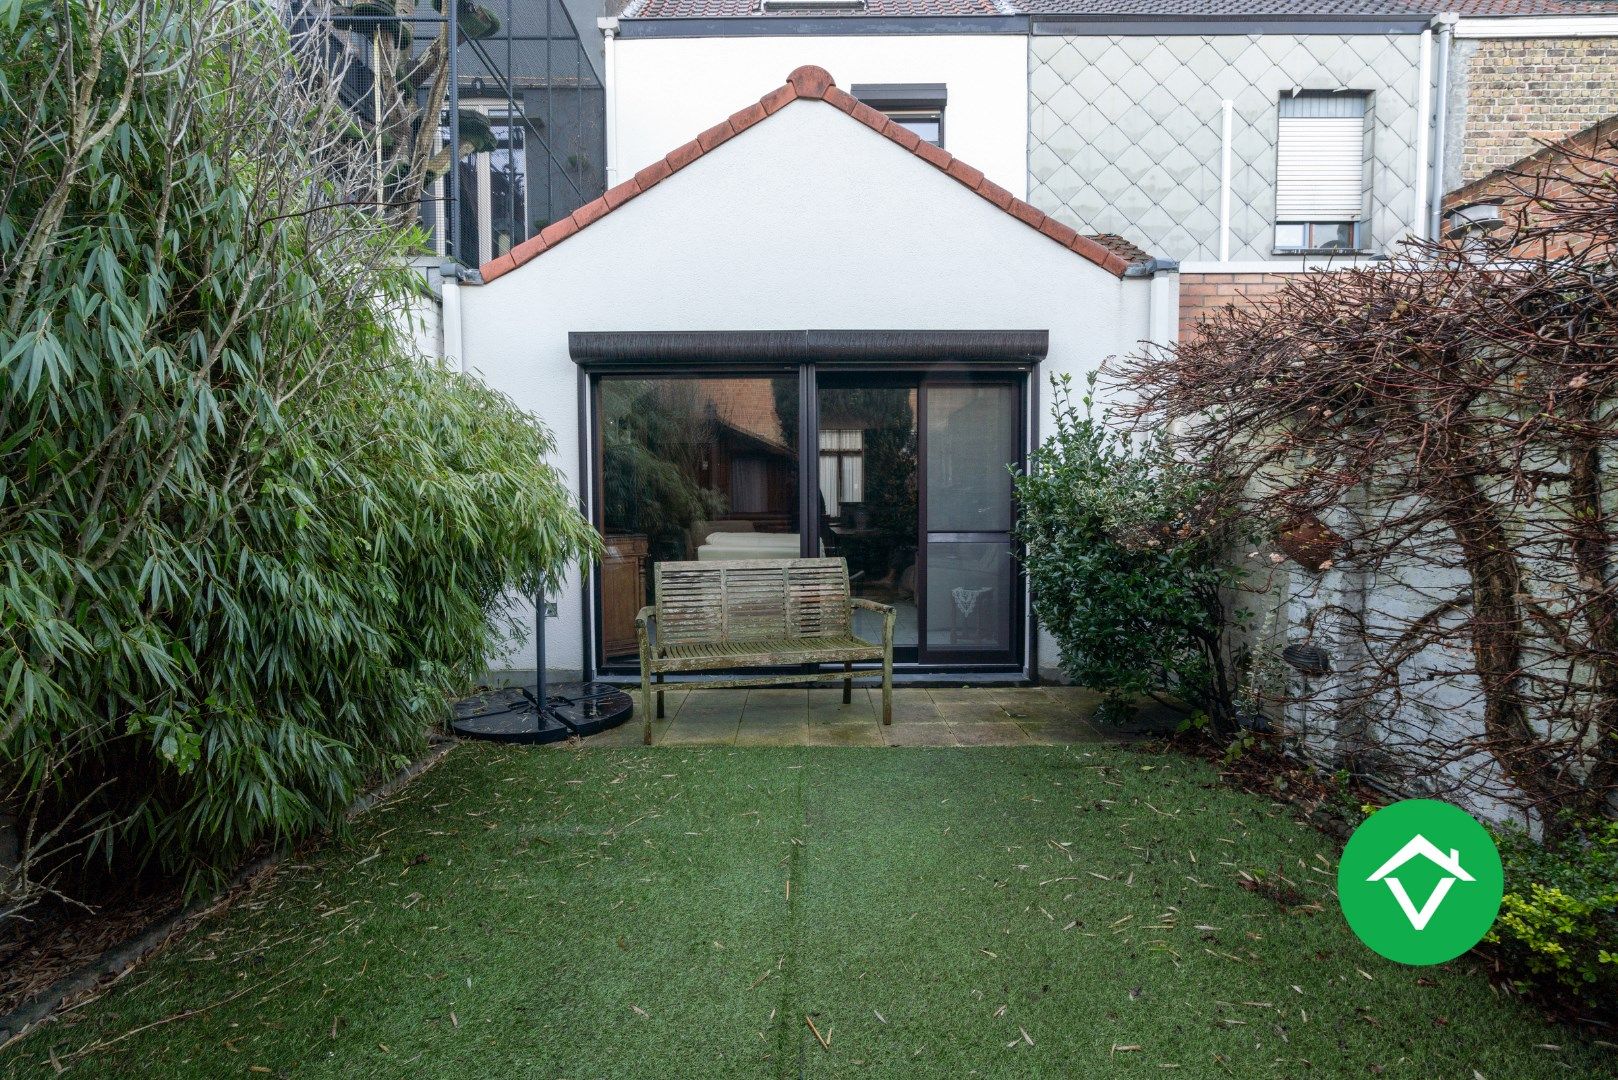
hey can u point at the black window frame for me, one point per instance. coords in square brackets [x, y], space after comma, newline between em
[1014, 357]
[901, 101]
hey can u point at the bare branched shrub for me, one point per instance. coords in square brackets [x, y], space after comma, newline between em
[1442, 429]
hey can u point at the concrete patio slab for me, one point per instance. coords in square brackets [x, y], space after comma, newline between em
[915, 705]
[868, 733]
[1064, 733]
[774, 718]
[919, 734]
[923, 716]
[776, 707]
[706, 717]
[979, 711]
[1002, 733]
[826, 707]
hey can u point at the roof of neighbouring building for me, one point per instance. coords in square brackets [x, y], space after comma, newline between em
[1119, 9]
[1514, 178]
[1121, 247]
[815, 84]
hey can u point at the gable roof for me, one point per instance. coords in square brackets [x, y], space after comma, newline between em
[809, 83]
[1117, 9]
[1420, 845]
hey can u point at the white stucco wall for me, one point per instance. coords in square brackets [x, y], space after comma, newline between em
[808, 220]
[669, 90]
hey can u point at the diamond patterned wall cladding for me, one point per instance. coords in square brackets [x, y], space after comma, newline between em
[1125, 132]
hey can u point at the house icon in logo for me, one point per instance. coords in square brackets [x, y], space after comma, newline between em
[1450, 864]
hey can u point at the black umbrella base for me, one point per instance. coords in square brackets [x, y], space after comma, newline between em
[514, 715]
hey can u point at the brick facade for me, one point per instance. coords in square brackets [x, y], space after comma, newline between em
[1204, 294]
[1543, 174]
[1525, 91]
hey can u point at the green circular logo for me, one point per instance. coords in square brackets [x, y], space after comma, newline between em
[1420, 881]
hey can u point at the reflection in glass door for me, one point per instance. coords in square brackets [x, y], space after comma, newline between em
[908, 480]
[970, 437]
[691, 468]
[868, 494]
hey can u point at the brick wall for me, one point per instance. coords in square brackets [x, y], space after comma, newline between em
[1523, 90]
[1203, 294]
[1544, 174]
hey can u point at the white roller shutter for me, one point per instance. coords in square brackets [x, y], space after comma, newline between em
[1319, 158]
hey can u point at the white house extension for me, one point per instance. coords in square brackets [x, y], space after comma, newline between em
[824, 335]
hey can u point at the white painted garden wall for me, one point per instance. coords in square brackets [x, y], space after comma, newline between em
[807, 220]
[668, 90]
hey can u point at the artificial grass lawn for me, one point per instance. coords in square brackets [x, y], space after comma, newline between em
[1027, 912]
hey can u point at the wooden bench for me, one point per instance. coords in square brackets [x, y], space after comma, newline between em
[751, 613]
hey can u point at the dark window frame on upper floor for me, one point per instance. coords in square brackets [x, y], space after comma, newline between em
[913, 105]
[1339, 105]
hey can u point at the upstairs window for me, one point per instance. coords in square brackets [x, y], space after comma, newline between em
[1320, 173]
[918, 107]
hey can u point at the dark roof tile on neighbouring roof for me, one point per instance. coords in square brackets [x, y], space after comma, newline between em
[1125, 9]
[1533, 7]
[1119, 246]
[729, 9]
[813, 84]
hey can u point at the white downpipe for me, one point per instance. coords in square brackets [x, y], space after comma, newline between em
[1163, 322]
[449, 314]
[609, 33]
[1227, 108]
[1435, 189]
[1424, 129]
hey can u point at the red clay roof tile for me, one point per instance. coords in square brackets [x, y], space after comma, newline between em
[592, 212]
[653, 173]
[743, 119]
[719, 133]
[684, 154]
[778, 98]
[557, 231]
[965, 173]
[617, 196]
[812, 83]
[996, 194]
[841, 98]
[903, 136]
[503, 265]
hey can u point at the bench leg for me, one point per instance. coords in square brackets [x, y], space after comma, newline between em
[660, 695]
[848, 683]
[887, 687]
[646, 703]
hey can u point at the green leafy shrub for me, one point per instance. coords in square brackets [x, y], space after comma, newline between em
[1123, 552]
[251, 539]
[1558, 922]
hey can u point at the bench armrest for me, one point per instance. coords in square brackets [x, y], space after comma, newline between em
[645, 618]
[889, 617]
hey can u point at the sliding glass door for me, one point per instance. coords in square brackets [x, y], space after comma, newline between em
[909, 480]
[868, 496]
[971, 434]
[690, 468]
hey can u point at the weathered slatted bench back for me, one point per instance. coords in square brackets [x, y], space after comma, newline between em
[751, 600]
